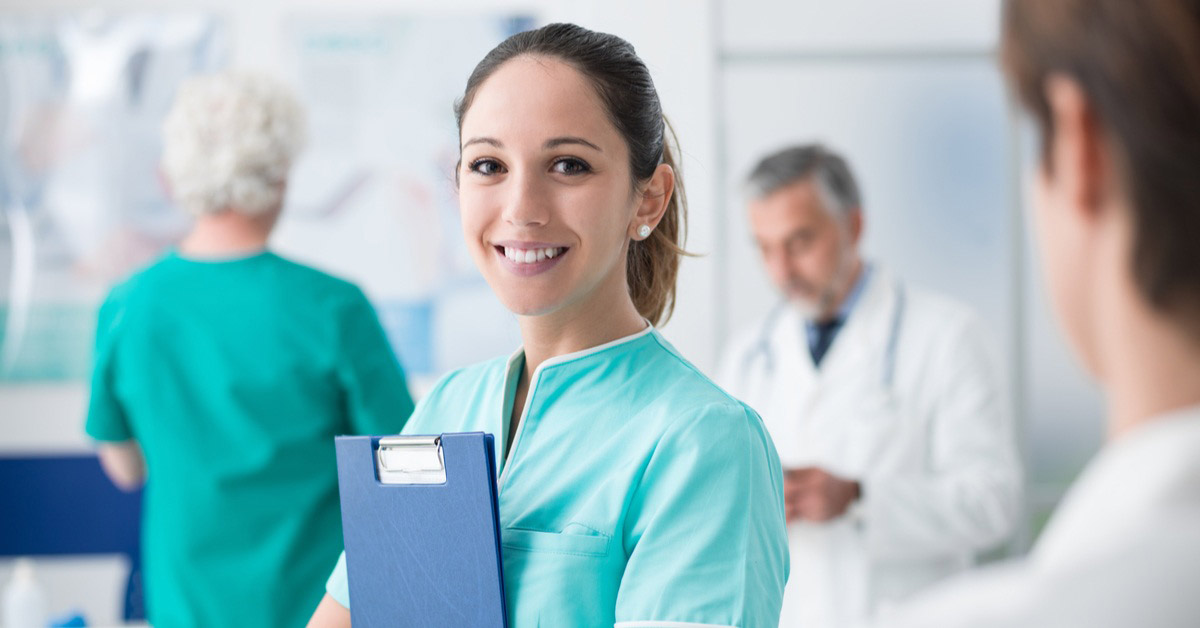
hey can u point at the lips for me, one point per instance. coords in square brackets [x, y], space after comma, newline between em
[526, 259]
[532, 256]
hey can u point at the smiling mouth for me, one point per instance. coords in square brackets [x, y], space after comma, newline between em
[530, 256]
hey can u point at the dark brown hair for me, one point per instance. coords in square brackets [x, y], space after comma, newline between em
[631, 101]
[1138, 63]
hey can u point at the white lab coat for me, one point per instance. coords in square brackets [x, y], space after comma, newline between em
[1122, 550]
[933, 451]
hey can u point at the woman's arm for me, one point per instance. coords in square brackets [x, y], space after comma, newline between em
[330, 614]
[705, 531]
[123, 464]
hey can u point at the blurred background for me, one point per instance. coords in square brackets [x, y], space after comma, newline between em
[908, 90]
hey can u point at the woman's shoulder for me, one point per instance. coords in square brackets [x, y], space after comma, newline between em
[692, 399]
[682, 381]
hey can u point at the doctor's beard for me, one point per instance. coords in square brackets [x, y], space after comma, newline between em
[821, 305]
[808, 308]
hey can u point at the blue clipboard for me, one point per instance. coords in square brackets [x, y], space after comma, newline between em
[421, 530]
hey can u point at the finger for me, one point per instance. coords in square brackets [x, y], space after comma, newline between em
[801, 472]
[795, 491]
[815, 510]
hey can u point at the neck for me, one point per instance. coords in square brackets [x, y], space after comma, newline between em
[1154, 368]
[227, 234]
[608, 314]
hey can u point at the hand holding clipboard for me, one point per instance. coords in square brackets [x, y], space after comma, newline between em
[421, 529]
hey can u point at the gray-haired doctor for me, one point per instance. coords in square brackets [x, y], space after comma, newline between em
[882, 399]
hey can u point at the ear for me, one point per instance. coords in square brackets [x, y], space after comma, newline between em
[653, 200]
[1077, 162]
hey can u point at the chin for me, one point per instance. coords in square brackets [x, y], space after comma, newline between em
[807, 308]
[529, 304]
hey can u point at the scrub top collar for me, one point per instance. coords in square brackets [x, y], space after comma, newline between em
[517, 359]
[512, 375]
[215, 260]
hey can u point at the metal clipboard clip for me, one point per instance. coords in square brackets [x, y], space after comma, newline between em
[410, 460]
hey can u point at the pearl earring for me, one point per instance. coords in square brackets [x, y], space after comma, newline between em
[644, 231]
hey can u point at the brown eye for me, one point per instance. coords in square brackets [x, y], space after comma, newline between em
[571, 166]
[486, 167]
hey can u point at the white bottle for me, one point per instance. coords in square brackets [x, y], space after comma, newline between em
[24, 601]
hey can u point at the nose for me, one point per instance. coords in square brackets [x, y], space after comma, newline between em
[527, 204]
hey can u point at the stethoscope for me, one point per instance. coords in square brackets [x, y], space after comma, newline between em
[762, 347]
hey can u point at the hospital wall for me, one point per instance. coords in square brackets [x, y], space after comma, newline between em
[908, 89]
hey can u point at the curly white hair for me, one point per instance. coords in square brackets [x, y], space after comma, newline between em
[229, 142]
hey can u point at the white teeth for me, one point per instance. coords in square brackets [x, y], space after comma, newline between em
[530, 256]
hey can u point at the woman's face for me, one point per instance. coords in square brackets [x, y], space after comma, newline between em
[544, 188]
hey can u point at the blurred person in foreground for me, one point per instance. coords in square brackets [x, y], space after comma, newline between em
[1114, 89]
[223, 372]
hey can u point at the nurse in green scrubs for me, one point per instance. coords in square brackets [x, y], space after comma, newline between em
[223, 372]
[633, 491]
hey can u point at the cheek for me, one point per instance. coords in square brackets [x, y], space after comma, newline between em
[599, 214]
[476, 212]
[803, 264]
[822, 261]
[1053, 237]
[1060, 247]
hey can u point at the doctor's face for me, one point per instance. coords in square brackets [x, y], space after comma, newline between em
[809, 252]
[545, 191]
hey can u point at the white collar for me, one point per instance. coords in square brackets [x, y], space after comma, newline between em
[519, 354]
[1126, 486]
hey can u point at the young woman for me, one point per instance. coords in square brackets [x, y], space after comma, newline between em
[1114, 89]
[633, 491]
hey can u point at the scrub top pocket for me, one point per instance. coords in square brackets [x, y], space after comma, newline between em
[555, 542]
[576, 570]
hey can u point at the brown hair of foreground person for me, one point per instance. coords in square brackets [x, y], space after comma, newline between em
[1139, 65]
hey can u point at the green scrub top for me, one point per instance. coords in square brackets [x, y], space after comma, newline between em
[234, 376]
[636, 492]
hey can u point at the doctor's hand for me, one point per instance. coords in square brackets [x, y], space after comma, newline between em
[813, 494]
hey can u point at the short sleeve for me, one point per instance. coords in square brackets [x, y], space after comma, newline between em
[705, 531]
[337, 586]
[106, 419]
[377, 397]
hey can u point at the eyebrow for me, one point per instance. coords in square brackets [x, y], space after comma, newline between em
[483, 140]
[550, 143]
[559, 141]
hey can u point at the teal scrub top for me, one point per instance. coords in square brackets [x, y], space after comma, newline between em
[234, 376]
[636, 492]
